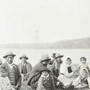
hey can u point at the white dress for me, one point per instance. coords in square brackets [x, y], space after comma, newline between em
[65, 77]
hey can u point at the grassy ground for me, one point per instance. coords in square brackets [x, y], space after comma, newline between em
[25, 87]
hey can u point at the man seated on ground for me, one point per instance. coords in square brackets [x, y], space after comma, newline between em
[12, 70]
[36, 73]
[24, 67]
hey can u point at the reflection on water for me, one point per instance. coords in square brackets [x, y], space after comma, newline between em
[35, 54]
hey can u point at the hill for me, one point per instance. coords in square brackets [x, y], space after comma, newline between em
[83, 43]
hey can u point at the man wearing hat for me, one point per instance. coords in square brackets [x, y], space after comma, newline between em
[12, 70]
[56, 64]
[53, 58]
[36, 71]
[24, 67]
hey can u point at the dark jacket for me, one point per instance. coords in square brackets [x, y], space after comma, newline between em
[35, 75]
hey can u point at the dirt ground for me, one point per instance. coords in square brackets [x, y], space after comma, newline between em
[25, 87]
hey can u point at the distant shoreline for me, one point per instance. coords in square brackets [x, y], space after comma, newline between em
[83, 43]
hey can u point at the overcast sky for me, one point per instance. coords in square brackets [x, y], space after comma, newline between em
[55, 20]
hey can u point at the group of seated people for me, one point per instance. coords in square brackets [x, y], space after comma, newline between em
[47, 74]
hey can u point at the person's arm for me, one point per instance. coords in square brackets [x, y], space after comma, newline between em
[19, 78]
[62, 69]
[29, 69]
[40, 84]
[69, 75]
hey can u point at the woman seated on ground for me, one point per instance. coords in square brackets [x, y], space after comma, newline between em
[66, 73]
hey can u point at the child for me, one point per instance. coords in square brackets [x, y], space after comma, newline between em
[45, 81]
[4, 80]
[83, 64]
[81, 80]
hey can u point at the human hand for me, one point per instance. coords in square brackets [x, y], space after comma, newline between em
[57, 83]
[16, 87]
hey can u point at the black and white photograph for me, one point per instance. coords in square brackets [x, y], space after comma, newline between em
[44, 44]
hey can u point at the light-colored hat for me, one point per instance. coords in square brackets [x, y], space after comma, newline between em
[23, 56]
[58, 55]
[9, 54]
[45, 57]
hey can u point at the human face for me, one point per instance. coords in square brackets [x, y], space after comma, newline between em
[83, 61]
[59, 60]
[9, 59]
[23, 60]
[84, 74]
[45, 73]
[46, 62]
[68, 61]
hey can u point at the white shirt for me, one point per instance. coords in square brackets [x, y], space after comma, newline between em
[10, 65]
[64, 71]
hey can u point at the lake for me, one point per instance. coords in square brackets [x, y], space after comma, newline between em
[35, 54]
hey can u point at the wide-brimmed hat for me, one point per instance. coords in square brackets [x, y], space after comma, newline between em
[45, 57]
[23, 56]
[58, 55]
[9, 54]
[44, 70]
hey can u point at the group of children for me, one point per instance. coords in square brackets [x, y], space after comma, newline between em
[81, 81]
[84, 74]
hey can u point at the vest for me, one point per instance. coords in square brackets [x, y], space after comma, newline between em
[12, 76]
[24, 70]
